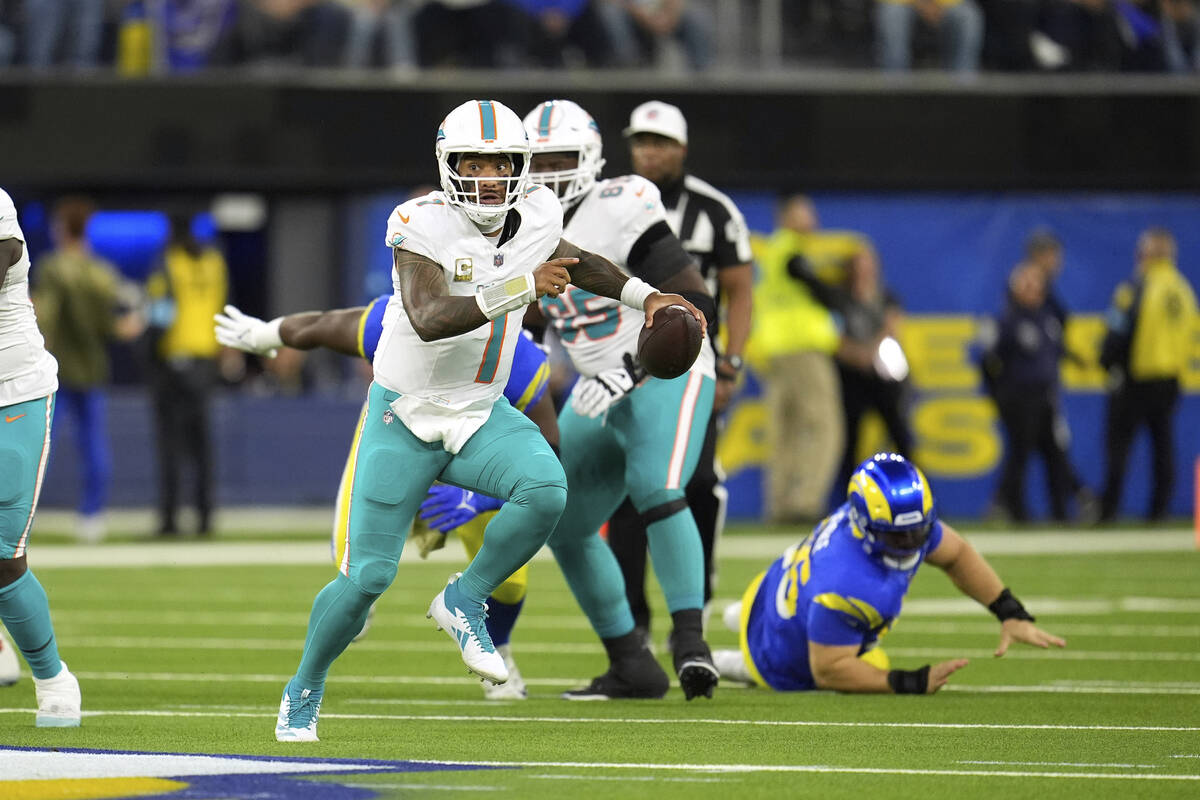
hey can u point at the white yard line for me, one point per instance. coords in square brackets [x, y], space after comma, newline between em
[821, 768]
[1057, 764]
[517, 720]
[226, 643]
[219, 552]
[1064, 687]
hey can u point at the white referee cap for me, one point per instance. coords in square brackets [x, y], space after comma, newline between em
[658, 117]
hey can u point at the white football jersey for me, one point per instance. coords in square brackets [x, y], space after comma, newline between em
[461, 377]
[27, 370]
[597, 331]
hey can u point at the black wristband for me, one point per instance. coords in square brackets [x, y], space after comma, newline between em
[912, 681]
[1008, 607]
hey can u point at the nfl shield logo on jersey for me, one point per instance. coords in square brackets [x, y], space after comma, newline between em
[498, 261]
[388, 416]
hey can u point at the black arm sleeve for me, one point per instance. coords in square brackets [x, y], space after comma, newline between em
[800, 269]
[657, 255]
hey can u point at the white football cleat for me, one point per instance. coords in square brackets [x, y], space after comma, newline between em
[298, 712]
[463, 622]
[362, 634]
[58, 700]
[514, 687]
[732, 666]
[10, 667]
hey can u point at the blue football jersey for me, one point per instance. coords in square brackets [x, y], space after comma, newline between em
[827, 590]
[530, 370]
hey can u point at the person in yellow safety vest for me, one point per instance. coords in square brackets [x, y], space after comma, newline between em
[1146, 348]
[792, 345]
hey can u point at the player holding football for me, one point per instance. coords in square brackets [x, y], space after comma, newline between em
[624, 433]
[356, 332]
[467, 260]
[813, 619]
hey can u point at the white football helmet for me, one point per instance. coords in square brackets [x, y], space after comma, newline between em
[482, 126]
[560, 126]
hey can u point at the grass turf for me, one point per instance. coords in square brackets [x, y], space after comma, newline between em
[192, 659]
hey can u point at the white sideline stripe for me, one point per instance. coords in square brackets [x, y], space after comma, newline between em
[1045, 606]
[415, 618]
[207, 643]
[189, 553]
[1027, 654]
[820, 768]
[213, 643]
[492, 718]
[1058, 764]
[1132, 690]
[402, 618]
[415, 680]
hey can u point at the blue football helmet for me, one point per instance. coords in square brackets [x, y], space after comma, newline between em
[891, 508]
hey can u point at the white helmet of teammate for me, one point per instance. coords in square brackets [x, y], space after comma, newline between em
[489, 127]
[560, 126]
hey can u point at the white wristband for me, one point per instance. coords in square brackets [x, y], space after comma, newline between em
[634, 293]
[497, 299]
[268, 337]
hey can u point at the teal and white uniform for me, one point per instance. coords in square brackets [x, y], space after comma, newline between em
[526, 385]
[826, 589]
[647, 444]
[436, 410]
[28, 380]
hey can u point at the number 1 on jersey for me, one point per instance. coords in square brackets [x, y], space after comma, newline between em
[491, 351]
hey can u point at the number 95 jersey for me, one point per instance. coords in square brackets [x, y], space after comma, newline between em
[610, 219]
[468, 371]
[827, 590]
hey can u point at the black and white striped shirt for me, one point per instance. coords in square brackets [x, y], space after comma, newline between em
[709, 225]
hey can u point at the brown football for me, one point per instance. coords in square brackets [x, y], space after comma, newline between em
[669, 347]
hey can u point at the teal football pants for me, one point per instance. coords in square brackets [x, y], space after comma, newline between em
[646, 447]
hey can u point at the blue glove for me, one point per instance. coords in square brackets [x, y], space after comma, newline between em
[448, 507]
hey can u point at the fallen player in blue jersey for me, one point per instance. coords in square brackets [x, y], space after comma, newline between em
[813, 619]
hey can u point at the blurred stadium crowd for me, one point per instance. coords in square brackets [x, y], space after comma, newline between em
[139, 37]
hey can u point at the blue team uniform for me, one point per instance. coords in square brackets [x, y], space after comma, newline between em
[530, 370]
[826, 589]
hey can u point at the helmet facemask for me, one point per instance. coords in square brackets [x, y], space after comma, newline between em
[891, 509]
[560, 127]
[464, 191]
[483, 128]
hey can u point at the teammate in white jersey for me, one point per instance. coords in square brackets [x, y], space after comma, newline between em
[28, 381]
[467, 261]
[622, 432]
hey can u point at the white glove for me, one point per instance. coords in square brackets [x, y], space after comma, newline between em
[247, 333]
[889, 362]
[591, 397]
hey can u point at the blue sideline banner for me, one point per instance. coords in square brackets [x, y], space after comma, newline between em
[948, 257]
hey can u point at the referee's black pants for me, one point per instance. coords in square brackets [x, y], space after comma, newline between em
[181, 398]
[627, 533]
[1132, 405]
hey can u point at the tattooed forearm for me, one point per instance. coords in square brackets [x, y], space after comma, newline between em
[594, 273]
[434, 314]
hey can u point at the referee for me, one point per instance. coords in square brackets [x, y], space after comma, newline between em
[714, 232]
[1146, 349]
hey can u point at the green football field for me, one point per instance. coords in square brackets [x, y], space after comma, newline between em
[183, 648]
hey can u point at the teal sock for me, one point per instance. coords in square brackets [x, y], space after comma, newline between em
[595, 579]
[678, 560]
[338, 613]
[26, 613]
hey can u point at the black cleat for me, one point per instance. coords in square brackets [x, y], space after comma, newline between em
[636, 677]
[694, 666]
